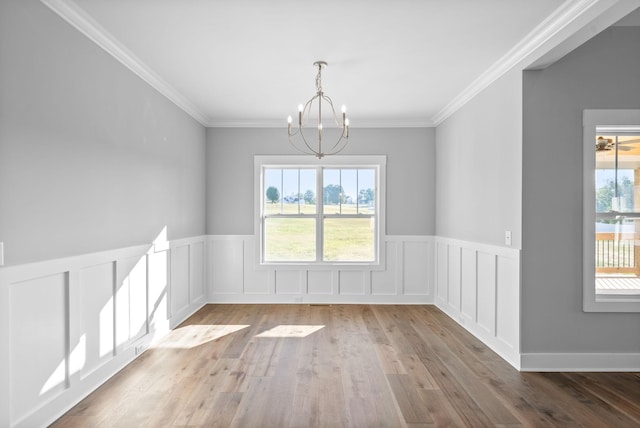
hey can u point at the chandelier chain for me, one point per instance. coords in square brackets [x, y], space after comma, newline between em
[319, 79]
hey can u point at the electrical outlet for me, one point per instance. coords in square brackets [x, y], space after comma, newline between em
[507, 238]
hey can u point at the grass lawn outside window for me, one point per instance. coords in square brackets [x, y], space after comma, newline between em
[320, 212]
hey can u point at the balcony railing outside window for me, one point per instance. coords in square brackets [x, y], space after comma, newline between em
[617, 253]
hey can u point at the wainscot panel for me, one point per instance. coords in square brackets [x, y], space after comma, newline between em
[479, 286]
[67, 325]
[414, 268]
[235, 277]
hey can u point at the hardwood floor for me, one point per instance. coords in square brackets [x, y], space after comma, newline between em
[339, 366]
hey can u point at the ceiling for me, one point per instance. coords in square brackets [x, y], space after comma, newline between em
[249, 62]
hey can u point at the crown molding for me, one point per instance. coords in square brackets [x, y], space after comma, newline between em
[542, 33]
[556, 22]
[79, 19]
[391, 123]
[276, 123]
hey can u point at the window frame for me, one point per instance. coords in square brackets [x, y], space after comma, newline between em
[594, 121]
[377, 162]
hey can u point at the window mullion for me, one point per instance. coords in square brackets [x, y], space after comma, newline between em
[281, 190]
[358, 190]
[341, 189]
[263, 213]
[298, 194]
[319, 215]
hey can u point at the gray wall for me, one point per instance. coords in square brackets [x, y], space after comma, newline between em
[410, 175]
[603, 73]
[91, 157]
[479, 167]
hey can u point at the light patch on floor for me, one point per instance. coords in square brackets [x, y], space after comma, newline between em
[291, 331]
[191, 336]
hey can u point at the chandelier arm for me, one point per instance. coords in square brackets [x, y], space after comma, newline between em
[315, 152]
[338, 151]
[306, 111]
[341, 140]
[333, 110]
[295, 146]
[298, 147]
[294, 133]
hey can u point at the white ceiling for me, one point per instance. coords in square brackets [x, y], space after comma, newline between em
[249, 62]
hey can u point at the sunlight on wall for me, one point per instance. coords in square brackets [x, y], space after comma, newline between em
[58, 377]
[77, 360]
[138, 298]
[161, 243]
[110, 321]
[78, 356]
[158, 282]
[131, 306]
[291, 331]
[106, 328]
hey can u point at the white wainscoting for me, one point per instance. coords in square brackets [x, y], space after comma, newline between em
[479, 286]
[67, 325]
[234, 276]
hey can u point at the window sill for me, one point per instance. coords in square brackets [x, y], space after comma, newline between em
[612, 303]
[370, 267]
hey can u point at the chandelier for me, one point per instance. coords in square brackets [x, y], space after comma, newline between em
[306, 137]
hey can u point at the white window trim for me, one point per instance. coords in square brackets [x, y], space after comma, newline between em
[593, 302]
[274, 161]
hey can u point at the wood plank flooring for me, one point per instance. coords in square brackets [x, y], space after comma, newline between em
[344, 366]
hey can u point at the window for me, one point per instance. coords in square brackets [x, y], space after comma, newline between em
[319, 212]
[611, 236]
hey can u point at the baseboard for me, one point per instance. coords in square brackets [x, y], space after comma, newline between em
[185, 313]
[580, 362]
[478, 286]
[58, 406]
[319, 299]
[500, 347]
